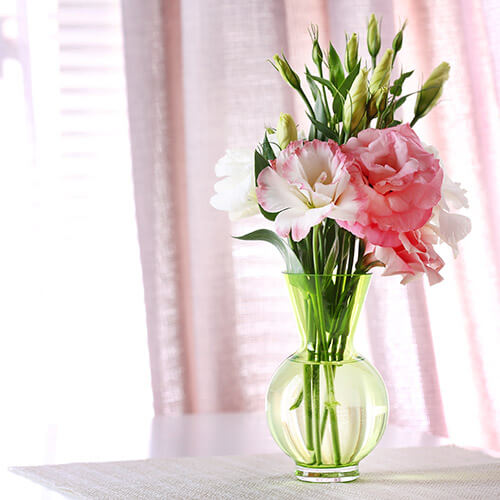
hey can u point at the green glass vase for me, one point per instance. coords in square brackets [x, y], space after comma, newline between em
[327, 406]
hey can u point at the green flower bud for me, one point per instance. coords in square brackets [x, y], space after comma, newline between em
[351, 52]
[355, 101]
[373, 38]
[287, 72]
[382, 72]
[377, 103]
[371, 108]
[286, 131]
[381, 98]
[431, 90]
[317, 53]
[397, 43]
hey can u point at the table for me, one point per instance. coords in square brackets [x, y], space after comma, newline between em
[161, 437]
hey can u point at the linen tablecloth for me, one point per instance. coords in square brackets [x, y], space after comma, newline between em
[406, 473]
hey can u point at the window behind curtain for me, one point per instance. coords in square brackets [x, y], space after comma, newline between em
[73, 337]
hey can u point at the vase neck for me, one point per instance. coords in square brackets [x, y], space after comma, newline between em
[327, 310]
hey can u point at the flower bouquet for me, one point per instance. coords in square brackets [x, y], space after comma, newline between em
[361, 191]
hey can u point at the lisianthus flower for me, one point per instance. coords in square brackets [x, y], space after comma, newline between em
[236, 192]
[398, 179]
[308, 182]
[414, 256]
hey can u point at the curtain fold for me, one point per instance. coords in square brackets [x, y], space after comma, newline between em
[218, 316]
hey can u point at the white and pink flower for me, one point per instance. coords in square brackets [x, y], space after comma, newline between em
[308, 182]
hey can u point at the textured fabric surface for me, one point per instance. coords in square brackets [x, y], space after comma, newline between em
[408, 473]
[219, 320]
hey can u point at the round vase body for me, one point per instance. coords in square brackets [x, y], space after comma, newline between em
[361, 411]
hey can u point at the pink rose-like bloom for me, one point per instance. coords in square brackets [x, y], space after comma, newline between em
[413, 256]
[308, 181]
[399, 181]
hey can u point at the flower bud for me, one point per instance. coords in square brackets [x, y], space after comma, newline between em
[381, 98]
[382, 72]
[397, 43]
[371, 108]
[355, 101]
[373, 37]
[287, 72]
[431, 90]
[377, 102]
[286, 131]
[351, 52]
[317, 54]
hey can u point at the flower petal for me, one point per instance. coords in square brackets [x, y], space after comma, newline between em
[299, 221]
[275, 193]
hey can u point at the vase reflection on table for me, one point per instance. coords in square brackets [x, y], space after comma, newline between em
[327, 406]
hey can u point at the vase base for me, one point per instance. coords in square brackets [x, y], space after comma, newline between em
[327, 474]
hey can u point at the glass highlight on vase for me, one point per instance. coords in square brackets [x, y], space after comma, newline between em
[327, 406]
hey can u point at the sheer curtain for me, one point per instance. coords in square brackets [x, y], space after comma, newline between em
[218, 317]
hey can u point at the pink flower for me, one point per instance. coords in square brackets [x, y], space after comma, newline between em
[413, 256]
[399, 181]
[307, 182]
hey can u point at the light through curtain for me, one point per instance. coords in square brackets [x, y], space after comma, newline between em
[218, 316]
[72, 322]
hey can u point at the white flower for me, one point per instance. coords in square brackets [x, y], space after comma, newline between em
[236, 192]
[308, 182]
[449, 227]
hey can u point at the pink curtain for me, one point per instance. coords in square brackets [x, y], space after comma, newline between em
[218, 315]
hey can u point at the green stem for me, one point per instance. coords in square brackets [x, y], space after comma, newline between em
[332, 412]
[316, 412]
[308, 406]
[325, 100]
[329, 375]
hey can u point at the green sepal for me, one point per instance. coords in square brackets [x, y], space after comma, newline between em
[260, 163]
[292, 263]
[298, 401]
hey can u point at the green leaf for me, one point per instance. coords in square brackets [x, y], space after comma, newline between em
[260, 163]
[267, 150]
[338, 101]
[325, 130]
[331, 260]
[394, 123]
[326, 83]
[297, 401]
[397, 86]
[400, 102]
[312, 85]
[335, 67]
[292, 262]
